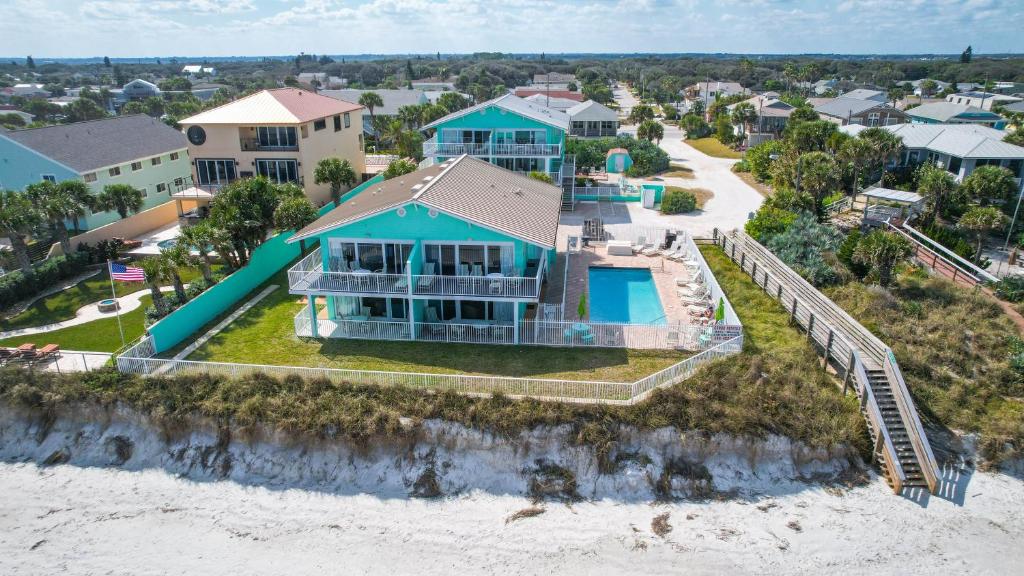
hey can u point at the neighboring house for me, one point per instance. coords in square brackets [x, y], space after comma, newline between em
[507, 131]
[393, 100]
[845, 111]
[866, 94]
[10, 109]
[527, 91]
[308, 79]
[958, 148]
[205, 90]
[1015, 108]
[939, 87]
[434, 95]
[592, 120]
[983, 100]
[560, 104]
[457, 251]
[950, 113]
[280, 134]
[772, 116]
[968, 86]
[25, 91]
[194, 70]
[433, 85]
[139, 90]
[137, 150]
[709, 91]
[555, 81]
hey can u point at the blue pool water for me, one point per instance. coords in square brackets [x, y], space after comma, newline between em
[624, 295]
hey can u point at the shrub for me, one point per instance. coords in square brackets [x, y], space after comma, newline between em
[768, 222]
[678, 202]
[803, 247]
[760, 158]
[18, 286]
[845, 254]
[1011, 288]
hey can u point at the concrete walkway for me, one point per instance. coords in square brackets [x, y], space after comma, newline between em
[86, 314]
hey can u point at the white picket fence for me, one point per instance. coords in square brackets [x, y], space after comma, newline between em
[135, 361]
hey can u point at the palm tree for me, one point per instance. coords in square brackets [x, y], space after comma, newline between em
[881, 251]
[17, 218]
[200, 238]
[857, 152]
[175, 258]
[884, 144]
[937, 186]
[819, 177]
[981, 220]
[81, 194]
[153, 268]
[121, 197]
[54, 206]
[650, 130]
[335, 172]
[743, 114]
[371, 100]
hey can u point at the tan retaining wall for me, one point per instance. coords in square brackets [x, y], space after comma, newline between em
[133, 226]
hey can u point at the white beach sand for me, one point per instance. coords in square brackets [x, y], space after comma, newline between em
[83, 520]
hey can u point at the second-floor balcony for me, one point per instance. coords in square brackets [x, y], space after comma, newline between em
[254, 145]
[309, 277]
[451, 149]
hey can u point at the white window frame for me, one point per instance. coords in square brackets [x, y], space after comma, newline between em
[155, 161]
[134, 164]
[114, 172]
[89, 177]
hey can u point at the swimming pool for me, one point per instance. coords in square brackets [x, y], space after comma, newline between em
[624, 295]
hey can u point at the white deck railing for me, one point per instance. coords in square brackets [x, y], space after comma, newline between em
[307, 277]
[434, 148]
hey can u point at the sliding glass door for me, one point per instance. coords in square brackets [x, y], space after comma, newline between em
[456, 311]
[470, 259]
[378, 257]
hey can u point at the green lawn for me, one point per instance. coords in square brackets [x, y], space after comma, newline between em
[712, 147]
[266, 335]
[62, 305]
[97, 336]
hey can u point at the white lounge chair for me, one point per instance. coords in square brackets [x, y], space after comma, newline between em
[698, 291]
[426, 281]
[650, 250]
[670, 250]
[640, 244]
[695, 300]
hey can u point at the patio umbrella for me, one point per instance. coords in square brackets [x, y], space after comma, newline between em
[720, 310]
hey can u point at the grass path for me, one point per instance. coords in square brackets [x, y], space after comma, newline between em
[712, 147]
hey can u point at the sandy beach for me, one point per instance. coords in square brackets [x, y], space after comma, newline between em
[79, 520]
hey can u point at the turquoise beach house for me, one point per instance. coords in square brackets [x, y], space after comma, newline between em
[507, 131]
[456, 251]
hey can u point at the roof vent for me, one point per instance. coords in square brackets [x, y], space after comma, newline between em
[428, 178]
[417, 187]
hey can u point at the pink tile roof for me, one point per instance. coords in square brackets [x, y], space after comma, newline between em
[278, 106]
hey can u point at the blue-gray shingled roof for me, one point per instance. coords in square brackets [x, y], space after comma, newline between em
[87, 146]
[844, 107]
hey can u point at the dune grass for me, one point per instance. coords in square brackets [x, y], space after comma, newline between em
[955, 348]
[712, 147]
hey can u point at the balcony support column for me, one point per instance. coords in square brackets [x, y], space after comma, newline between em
[313, 331]
[515, 325]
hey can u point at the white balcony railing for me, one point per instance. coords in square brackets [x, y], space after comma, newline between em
[308, 277]
[434, 148]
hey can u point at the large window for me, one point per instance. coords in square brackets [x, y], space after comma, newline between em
[954, 164]
[215, 172]
[456, 311]
[276, 136]
[470, 259]
[389, 258]
[279, 171]
[521, 164]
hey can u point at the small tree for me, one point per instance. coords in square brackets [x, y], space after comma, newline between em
[175, 258]
[650, 130]
[335, 172]
[200, 238]
[858, 154]
[803, 246]
[371, 100]
[398, 167]
[980, 221]
[937, 186]
[819, 177]
[153, 268]
[17, 218]
[581, 308]
[743, 114]
[56, 206]
[295, 213]
[678, 202]
[881, 251]
[768, 222]
[639, 113]
[988, 184]
[120, 197]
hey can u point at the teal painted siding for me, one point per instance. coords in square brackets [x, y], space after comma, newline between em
[20, 166]
[494, 119]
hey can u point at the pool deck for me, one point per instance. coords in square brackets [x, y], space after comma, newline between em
[663, 270]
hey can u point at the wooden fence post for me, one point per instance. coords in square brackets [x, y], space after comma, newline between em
[779, 295]
[828, 349]
[792, 312]
[849, 370]
[743, 260]
[810, 327]
[753, 272]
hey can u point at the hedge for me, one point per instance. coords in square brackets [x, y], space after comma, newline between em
[17, 285]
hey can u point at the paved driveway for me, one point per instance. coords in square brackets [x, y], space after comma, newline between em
[734, 200]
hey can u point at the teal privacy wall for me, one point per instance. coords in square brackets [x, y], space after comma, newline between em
[266, 261]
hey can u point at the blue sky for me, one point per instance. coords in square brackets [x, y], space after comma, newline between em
[69, 28]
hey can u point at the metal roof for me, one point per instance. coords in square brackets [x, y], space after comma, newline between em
[945, 111]
[843, 107]
[960, 140]
[515, 105]
[893, 195]
[467, 188]
[87, 146]
[591, 110]
[393, 99]
[278, 106]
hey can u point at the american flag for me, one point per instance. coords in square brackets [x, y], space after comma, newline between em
[126, 273]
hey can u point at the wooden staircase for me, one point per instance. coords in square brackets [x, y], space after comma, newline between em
[899, 443]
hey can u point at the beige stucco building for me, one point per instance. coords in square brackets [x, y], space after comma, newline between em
[280, 134]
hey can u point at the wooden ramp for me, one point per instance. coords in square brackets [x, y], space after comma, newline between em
[866, 363]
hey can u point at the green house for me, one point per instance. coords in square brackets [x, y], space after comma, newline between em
[508, 131]
[456, 251]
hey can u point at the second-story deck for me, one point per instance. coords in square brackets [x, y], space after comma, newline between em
[434, 148]
[308, 277]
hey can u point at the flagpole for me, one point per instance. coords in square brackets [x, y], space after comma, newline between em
[117, 305]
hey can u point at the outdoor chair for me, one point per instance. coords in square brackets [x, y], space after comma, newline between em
[495, 286]
[650, 250]
[426, 281]
[403, 282]
[693, 291]
[7, 354]
[434, 325]
[694, 300]
[48, 352]
[675, 247]
[640, 244]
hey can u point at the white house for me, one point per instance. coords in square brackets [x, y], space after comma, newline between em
[983, 100]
